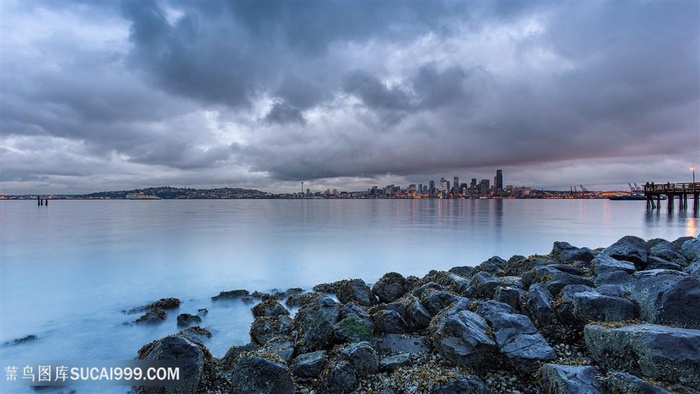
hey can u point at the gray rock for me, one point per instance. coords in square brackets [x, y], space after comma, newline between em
[231, 295]
[258, 373]
[362, 357]
[309, 365]
[357, 291]
[553, 279]
[667, 251]
[617, 278]
[265, 328]
[417, 317]
[539, 307]
[194, 374]
[658, 352]
[509, 295]
[339, 378]
[391, 363]
[455, 283]
[465, 271]
[389, 321]
[516, 336]
[270, 307]
[568, 379]
[604, 264]
[398, 343]
[299, 300]
[313, 325]
[153, 316]
[667, 297]
[629, 248]
[390, 287]
[621, 382]
[565, 252]
[484, 286]
[185, 319]
[589, 306]
[436, 300]
[354, 329]
[461, 337]
[231, 357]
[196, 333]
[693, 269]
[691, 249]
[281, 346]
[462, 384]
[659, 263]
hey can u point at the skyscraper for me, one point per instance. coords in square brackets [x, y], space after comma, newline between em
[455, 187]
[431, 188]
[498, 184]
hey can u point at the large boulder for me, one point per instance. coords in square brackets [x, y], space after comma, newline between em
[434, 297]
[461, 337]
[565, 252]
[270, 307]
[539, 307]
[484, 286]
[355, 324]
[338, 378]
[461, 384]
[197, 366]
[453, 282]
[417, 317]
[622, 382]
[390, 287]
[388, 319]
[629, 248]
[691, 249]
[357, 291]
[261, 373]
[362, 357]
[647, 350]
[265, 328]
[604, 264]
[667, 297]
[568, 379]
[591, 306]
[516, 336]
[667, 251]
[313, 326]
[309, 365]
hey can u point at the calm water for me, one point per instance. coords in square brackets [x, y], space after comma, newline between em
[69, 269]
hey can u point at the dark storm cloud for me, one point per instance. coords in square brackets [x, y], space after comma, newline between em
[311, 90]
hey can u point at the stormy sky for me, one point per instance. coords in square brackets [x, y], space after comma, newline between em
[107, 95]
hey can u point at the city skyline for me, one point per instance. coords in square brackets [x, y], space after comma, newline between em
[117, 95]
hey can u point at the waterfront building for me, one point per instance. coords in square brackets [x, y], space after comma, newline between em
[498, 183]
[455, 187]
[431, 188]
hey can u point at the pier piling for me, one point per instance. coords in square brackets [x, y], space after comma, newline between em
[671, 191]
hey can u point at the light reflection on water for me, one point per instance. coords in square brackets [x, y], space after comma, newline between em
[69, 269]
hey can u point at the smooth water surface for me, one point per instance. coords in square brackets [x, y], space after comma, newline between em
[69, 269]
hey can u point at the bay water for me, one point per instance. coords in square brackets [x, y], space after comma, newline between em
[70, 269]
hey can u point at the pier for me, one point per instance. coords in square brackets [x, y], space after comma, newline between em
[655, 191]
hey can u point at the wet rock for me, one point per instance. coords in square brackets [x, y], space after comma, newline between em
[257, 373]
[568, 379]
[605, 264]
[667, 251]
[462, 384]
[19, 341]
[629, 248]
[658, 352]
[659, 263]
[465, 271]
[493, 266]
[454, 283]
[339, 378]
[389, 321]
[197, 368]
[693, 269]
[615, 278]
[362, 357]
[231, 357]
[327, 287]
[483, 286]
[153, 316]
[516, 336]
[539, 307]
[509, 295]
[357, 291]
[313, 325]
[553, 279]
[265, 328]
[691, 249]
[591, 306]
[196, 333]
[309, 365]
[621, 382]
[435, 299]
[565, 252]
[280, 346]
[299, 300]
[390, 287]
[185, 319]
[417, 317]
[667, 297]
[270, 307]
[461, 337]
[391, 363]
[354, 328]
[231, 295]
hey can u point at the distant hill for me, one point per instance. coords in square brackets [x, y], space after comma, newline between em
[167, 192]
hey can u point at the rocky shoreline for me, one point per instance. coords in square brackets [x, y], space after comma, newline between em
[621, 319]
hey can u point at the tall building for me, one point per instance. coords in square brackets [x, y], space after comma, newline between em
[431, 188]
[484, 187]
[498, 182]
[444, 185]
[455, 187]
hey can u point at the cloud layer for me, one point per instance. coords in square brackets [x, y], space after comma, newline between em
[265, 94]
